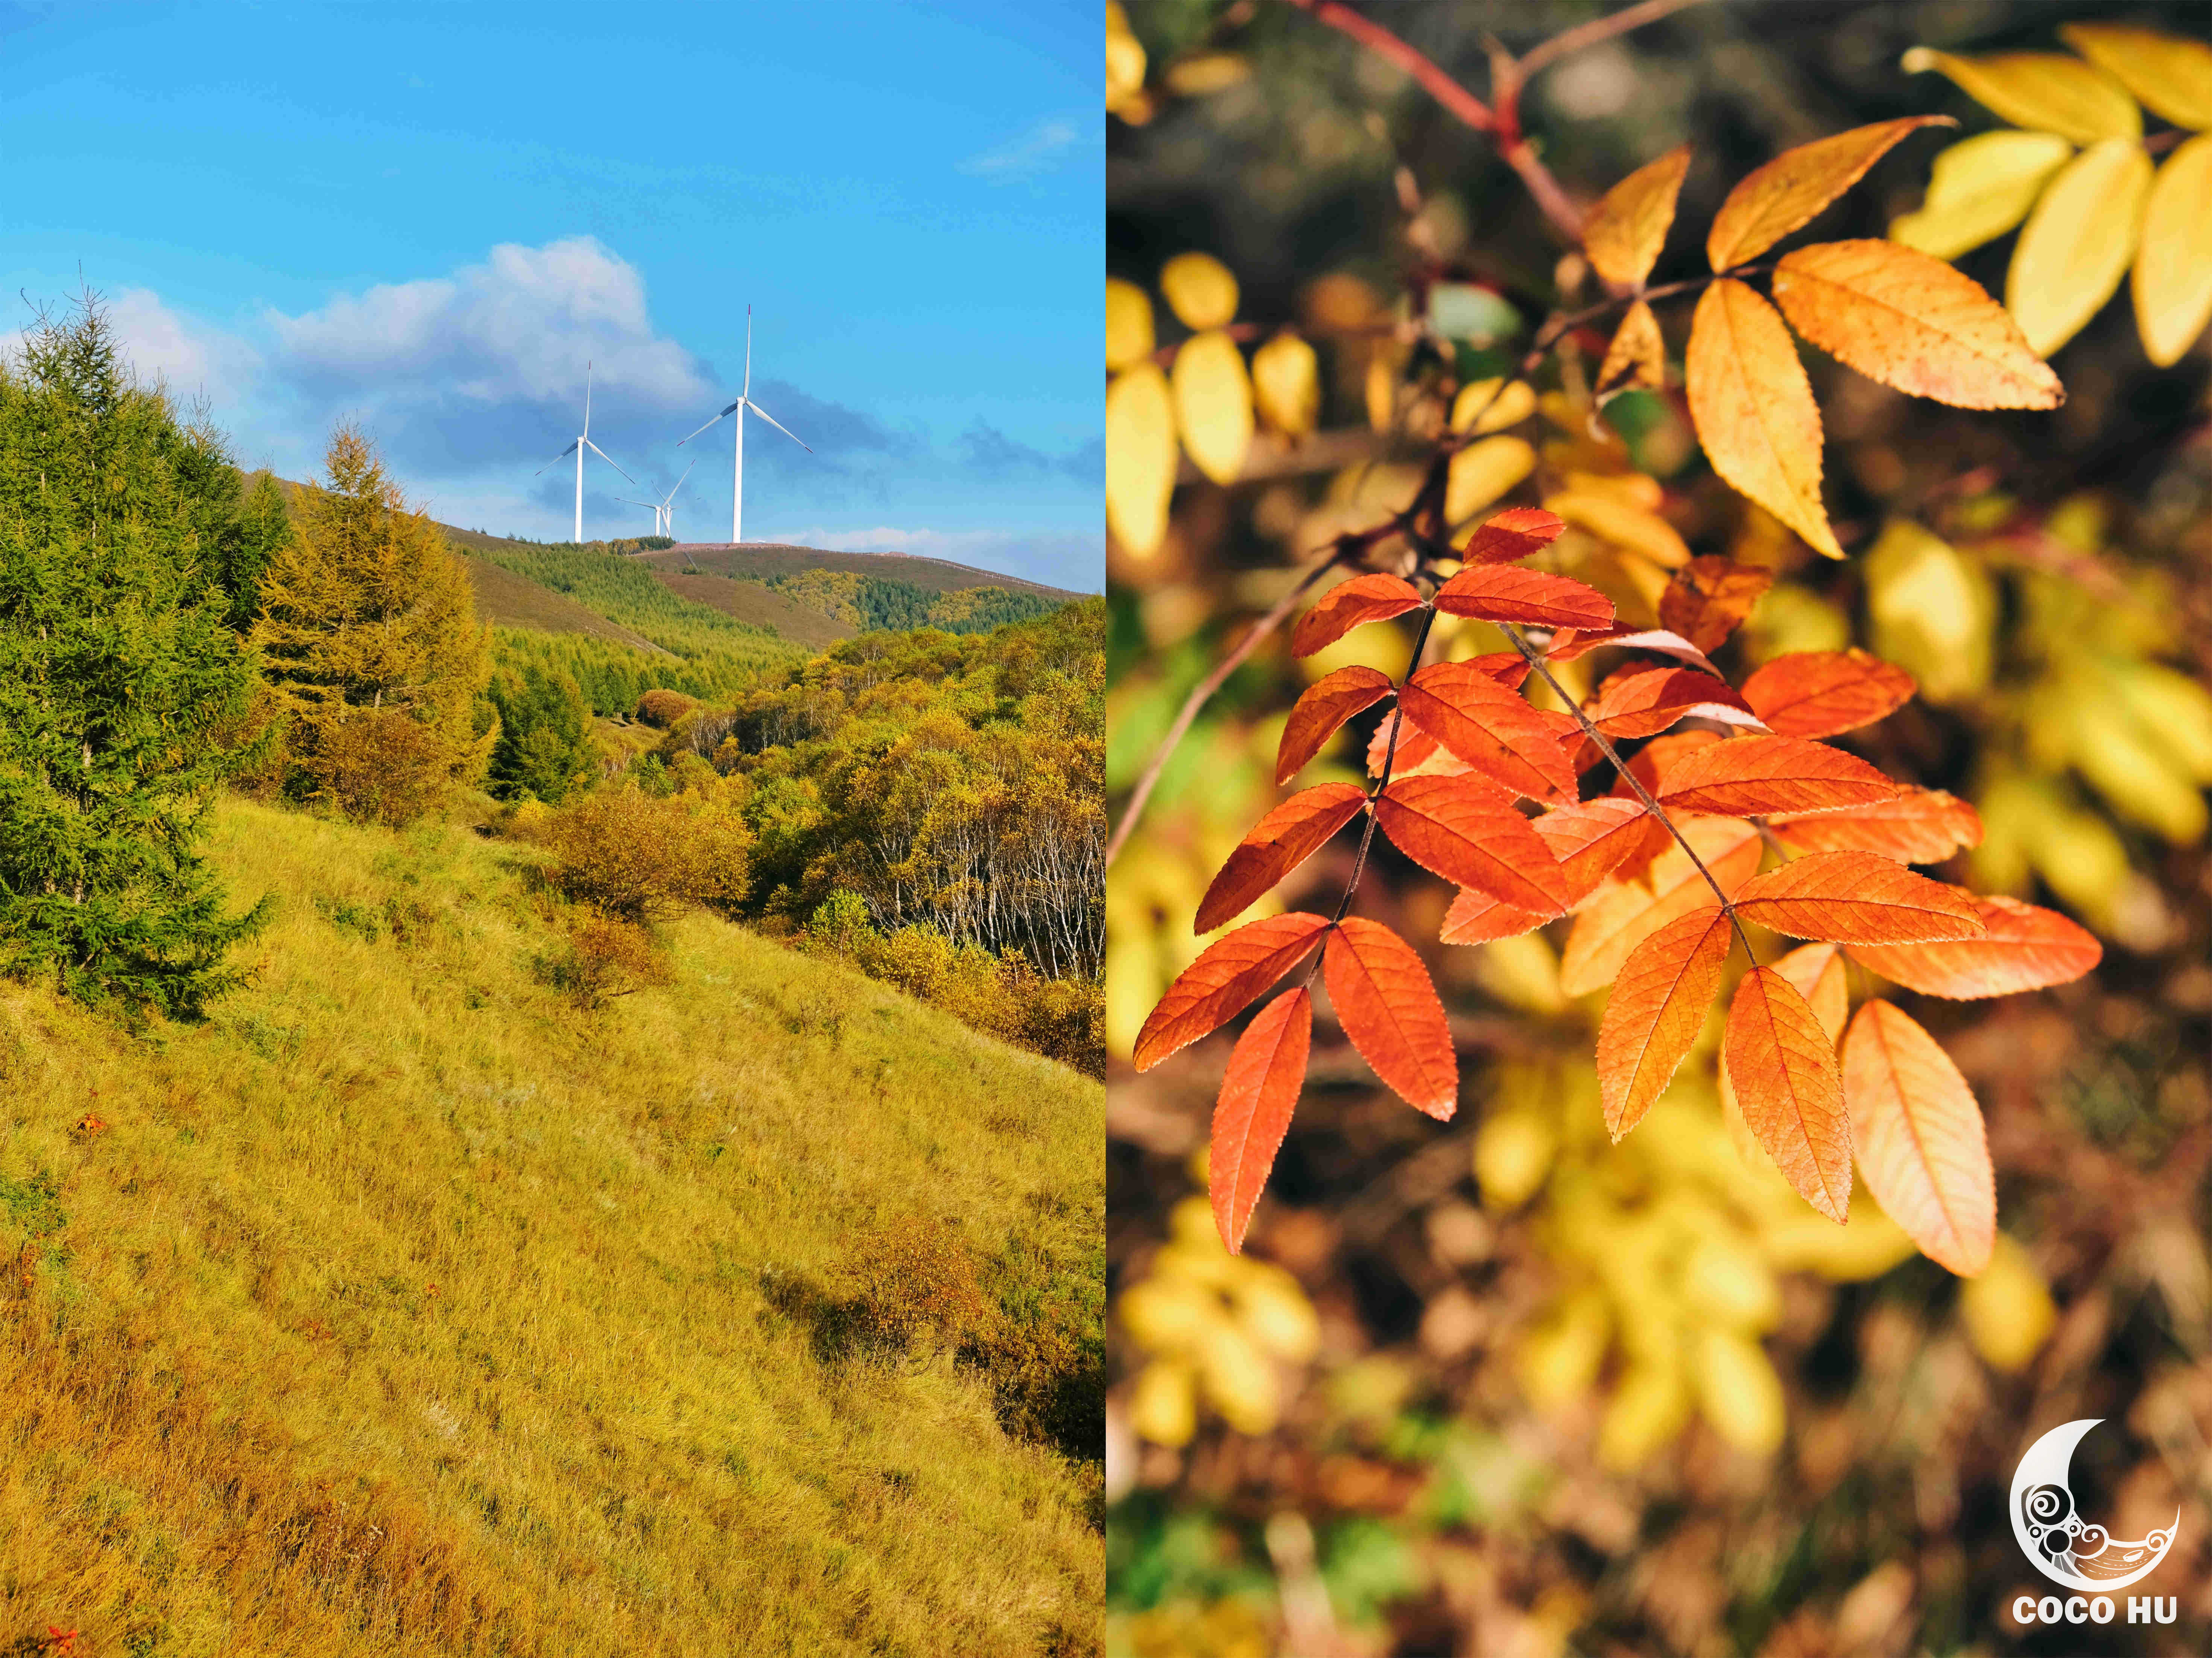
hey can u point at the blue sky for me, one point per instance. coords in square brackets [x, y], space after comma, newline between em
[431, 216]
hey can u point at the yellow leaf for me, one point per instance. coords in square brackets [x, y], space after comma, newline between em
[1163, 1407]
[1140, 459]
[1626, 231]
[1213, 405]
[1933, 612]
[1485, 406]
[1199, 290]
[1208, 72]
[1128, 325]
[2077, 243]
[2007, 1310]
[1648, 1408]
[2045, 91]
[1754, 408]
[1912, 322]
[1484, 471]
[1784, 194]
[1636, 359]
[1979, 188]
[2173, 270]
[2170, 76]
[1513, 1152]
[1614, 522]
[1286, 384]
[1125, 62]
[1738, 1392]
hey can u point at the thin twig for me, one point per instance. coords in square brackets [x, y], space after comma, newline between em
[1596, 30]
[1384, 45]
[1202, 693]
[1535, 660]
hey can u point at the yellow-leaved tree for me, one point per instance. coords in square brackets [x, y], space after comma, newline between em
[370, 644]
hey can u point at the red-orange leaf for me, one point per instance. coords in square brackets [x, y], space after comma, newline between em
[1858, 898]
[1258, 1094]
[1476, 918]
[1752, 776]
[1919, 1138]
[1416, 752]
[1316, 716]
[1783, 1067]
[1506, 592]
[1496, 732]
[2025, 948]
[1590, 839]
[1816, 973]
[1710, 596]
[1390, 1010]
[1819, 693]
[1278, 844]
[1651, 763]
[1643, 701]
[1921, 826]
[1659, 1004]
[1373, 598]
[1468, 831]
[1622, 914]
[1569, 643]
[1512, 534]
[1228, 977]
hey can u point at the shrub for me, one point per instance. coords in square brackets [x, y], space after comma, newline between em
[661, 708]
[912, 1284]
[638, 856]
[605, 957]
[839, 922]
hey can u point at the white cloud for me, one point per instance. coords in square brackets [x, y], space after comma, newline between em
[194, 358]
[1038, 149]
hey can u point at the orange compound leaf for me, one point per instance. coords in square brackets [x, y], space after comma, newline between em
[1821, 693]
[1469, 832]
[1626, 231]
[1622, 914]
[1506, 593]
[1644, 701]
[1659, 1004]
[2025, 948]
[1320, 712]
[1387, 1006]
[1708, 597]
[1278, 844]
[1909, 321]
[1512, 534]
[1858, 898]
[1496, 732]
[1373, 598]
[1785, 194]
[1816, 973]
[1417, 753]
[1782, 1067]
[1749, 776]
[1229, 976]
[1921, 826]
[1919, 1138]
[1569, 643]
[1258, 1094]
[1593, 838]
[1651, 763]
[1476, 918]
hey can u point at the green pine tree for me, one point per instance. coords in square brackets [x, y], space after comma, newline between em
[545, 746]
[125, 690]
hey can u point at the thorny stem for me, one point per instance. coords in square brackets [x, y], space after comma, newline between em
[1535, 660]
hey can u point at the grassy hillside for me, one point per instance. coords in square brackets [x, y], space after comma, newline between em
[507, 599]
[403, 1308]
[749, 601]
[764, 562]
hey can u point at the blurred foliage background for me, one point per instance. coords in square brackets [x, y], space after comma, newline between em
[1498, 1387]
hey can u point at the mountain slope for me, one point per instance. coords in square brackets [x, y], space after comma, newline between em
[764, 561]
[405, 1309]
[748, 601]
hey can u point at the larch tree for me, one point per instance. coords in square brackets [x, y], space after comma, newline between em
[370, 642]
[125, 690]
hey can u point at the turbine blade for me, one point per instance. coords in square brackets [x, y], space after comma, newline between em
[732, 409]
[556, 461]
[779, 425]
[605, 457]
[587, 399]
[748, 392]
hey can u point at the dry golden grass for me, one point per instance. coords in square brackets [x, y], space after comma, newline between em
[403, 1309]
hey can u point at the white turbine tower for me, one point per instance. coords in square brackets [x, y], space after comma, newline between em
[583, 442]
[663, 511]
[744, 402]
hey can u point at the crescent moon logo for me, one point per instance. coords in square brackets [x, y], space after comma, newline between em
[2048, 1523]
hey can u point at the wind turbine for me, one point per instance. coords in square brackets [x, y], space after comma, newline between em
[583, 442]
[664, 511]
[744, 402]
